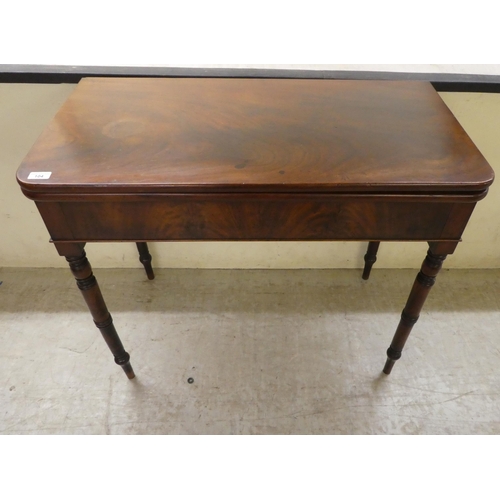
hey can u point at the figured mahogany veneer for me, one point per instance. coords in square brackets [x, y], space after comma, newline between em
[198, 159]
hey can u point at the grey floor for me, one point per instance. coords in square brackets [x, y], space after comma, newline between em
[270, 352]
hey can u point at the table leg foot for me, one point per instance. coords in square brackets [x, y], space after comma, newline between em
[145, 259]
[423, 283]
[370, 258]
[392, 357]
[87, 284]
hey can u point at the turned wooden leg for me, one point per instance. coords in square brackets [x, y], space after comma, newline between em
[145, 258]
[421, 288]
[80, 267]
[370, 258]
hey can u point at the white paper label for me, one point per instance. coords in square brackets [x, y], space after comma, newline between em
[39, 175]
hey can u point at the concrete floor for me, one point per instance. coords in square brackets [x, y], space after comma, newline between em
[270, 352]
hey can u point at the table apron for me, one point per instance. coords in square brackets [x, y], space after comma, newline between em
[178, 218]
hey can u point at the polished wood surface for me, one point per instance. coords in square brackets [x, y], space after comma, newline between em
[257, 217]
[422, 286]
[213, 159]
[145, 259]
[248, 135]
[87, 284]
[370, 258]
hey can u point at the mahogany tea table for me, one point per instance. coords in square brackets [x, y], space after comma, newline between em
[200, 159]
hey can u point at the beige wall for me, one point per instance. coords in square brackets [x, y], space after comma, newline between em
[25, 109]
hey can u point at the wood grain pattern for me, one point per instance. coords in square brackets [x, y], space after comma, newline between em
[238, 159]
[196, 218]
[251, 135]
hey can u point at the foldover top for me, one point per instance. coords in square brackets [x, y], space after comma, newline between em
[224, 135]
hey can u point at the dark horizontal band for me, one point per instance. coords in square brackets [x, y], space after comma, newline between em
[442, 82]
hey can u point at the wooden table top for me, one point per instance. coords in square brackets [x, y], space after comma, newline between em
[184, 135]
